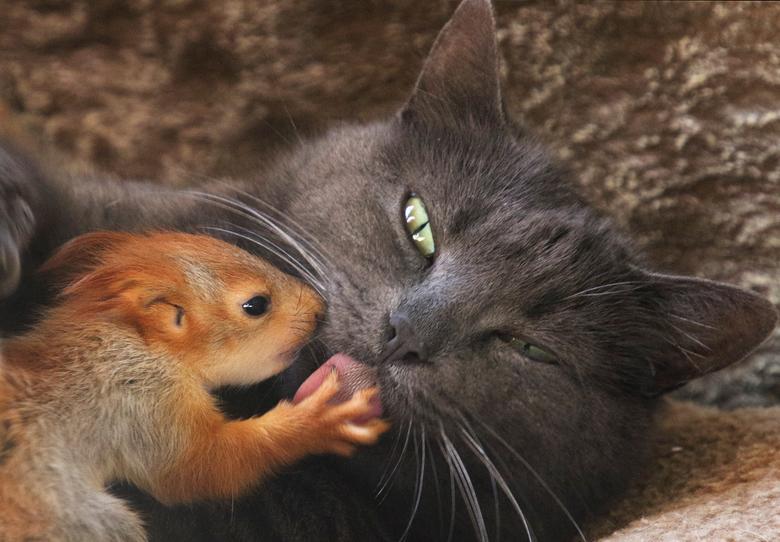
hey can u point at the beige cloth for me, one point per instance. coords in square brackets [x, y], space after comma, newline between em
[716, 477]
[667, 112]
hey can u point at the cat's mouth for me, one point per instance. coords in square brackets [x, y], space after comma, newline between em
[353, 376]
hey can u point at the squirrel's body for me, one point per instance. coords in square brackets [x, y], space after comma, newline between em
[113, 385]
[70, 421]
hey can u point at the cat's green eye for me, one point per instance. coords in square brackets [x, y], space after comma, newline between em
[419, 227]
[531, 351]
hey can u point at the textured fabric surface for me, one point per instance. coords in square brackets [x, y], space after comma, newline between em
[667, 113]
[716, 477]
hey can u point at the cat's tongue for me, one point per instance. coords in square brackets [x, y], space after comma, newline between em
[353, 376]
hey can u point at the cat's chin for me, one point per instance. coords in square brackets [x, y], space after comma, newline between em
[353, 376]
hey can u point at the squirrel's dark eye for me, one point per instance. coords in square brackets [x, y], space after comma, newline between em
[257, 306]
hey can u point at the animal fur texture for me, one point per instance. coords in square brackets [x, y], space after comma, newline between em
[665, 111]
[113, 384]
[715, 475]
[338, 187]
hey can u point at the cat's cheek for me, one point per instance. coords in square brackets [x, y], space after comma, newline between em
[504, 360]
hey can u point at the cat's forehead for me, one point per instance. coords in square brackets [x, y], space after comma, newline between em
[523, 244]
[497, 203]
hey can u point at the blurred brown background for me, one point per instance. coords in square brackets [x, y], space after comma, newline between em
[668, 113]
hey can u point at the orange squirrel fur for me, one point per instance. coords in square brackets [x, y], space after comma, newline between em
[113, 384]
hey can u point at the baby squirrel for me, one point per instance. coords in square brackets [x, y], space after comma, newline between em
[113, 384]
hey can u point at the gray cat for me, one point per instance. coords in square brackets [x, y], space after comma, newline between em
[518, 340]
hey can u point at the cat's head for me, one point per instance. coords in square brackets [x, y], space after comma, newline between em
[501, 314]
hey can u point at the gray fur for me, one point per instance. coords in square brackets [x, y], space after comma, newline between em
[519, 252]
[66, 475]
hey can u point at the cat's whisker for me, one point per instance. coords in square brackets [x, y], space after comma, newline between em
[270, 247]
[262, 220]
[453, 499]
[535, 474]
[249, 235]
[292, 123]
[276, 132]
[475, 445]
[298, 265]
[248, 213]
[230, 204]
[436, 488]
[688, 355]
[694, 322]
[305, 237]
[496, 506]
[582, 293]
[496, 477]
[386, 484]
[608, 292]
[389, 461]
[265, 220]
[419, 480]
[691, 338]
[496, 502]
[685, 352]
[466, 487]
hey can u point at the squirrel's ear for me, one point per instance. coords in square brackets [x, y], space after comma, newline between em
[460, 78]
[709, 326]
[79, 256]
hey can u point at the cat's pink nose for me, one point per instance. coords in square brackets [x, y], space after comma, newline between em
[405, 344]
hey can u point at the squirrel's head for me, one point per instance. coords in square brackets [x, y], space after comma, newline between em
[230, 316]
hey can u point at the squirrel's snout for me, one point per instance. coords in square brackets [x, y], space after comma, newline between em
[311, 303]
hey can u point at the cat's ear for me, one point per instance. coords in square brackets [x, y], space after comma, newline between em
[460, 77]
[79, 256]
[709, 325]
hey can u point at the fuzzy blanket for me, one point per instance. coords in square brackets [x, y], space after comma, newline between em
[666, 112]
[716, 476]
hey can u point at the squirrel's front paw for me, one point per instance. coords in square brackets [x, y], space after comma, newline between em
[334, 429]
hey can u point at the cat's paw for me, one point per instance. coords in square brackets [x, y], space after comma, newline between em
[333, 425]
[17, 220]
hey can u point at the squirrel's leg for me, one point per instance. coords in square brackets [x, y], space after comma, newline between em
[230, 457]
